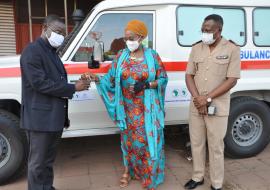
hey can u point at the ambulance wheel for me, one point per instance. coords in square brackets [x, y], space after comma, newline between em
[12, 147]
[248, 130]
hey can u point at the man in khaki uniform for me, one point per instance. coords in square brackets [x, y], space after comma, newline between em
[213, 69]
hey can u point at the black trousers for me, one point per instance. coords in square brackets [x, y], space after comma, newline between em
[42, 154]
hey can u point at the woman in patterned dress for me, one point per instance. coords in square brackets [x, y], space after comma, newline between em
[133, 92]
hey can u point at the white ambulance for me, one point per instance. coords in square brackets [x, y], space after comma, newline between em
[174, 25]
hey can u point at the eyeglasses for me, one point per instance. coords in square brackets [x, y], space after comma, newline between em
[131, 38]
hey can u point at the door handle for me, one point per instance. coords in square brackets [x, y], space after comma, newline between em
[181, 33]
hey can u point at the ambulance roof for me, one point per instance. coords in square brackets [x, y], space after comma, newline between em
[110, 4]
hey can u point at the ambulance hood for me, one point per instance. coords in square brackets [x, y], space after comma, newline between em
[9, 61]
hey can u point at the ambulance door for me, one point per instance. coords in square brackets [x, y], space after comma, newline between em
[87, 110]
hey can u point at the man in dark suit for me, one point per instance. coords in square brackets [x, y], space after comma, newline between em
[45, 93]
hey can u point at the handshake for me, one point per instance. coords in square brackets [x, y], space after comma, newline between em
[84, 82]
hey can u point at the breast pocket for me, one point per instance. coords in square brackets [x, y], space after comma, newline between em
[199, 65]
[220, 66]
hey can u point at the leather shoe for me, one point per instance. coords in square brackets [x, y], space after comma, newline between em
[212, 188]
[191, 184]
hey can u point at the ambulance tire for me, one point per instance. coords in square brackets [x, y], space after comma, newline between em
[13, 151]
[248, 131]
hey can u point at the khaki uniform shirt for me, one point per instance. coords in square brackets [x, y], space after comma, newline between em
[210, 70]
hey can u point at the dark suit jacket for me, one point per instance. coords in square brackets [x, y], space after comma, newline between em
[44, 88]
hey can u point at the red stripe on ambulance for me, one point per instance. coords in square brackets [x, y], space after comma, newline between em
[75, 68]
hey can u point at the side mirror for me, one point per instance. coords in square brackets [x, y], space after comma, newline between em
[92, 63]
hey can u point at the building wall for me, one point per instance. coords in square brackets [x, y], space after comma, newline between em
[7, 28]
[18, 34]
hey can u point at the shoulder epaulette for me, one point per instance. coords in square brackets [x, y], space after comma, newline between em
[233, 42]
[196, 42]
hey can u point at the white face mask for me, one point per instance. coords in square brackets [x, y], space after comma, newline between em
[132, 45]
[208, 38]
[55, 39]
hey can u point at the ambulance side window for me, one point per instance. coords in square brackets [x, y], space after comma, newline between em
[109, 30]
[190, 19]
[261, 29]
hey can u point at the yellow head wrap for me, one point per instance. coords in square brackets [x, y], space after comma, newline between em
[138, 27]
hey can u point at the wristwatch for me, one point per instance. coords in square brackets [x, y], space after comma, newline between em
[209, 100]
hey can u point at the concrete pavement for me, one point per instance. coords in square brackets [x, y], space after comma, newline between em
[94, 163]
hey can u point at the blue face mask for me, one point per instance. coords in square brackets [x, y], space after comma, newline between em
[55, 39]
[208, 38]
[132, 45]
